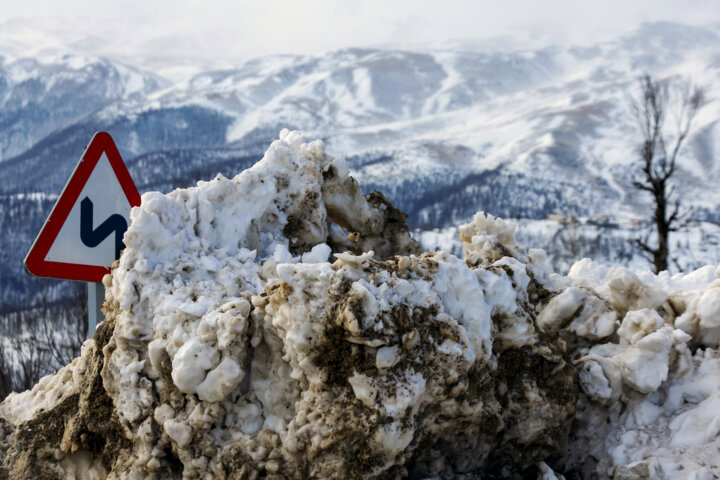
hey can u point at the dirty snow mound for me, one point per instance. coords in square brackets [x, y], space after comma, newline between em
[282, 324]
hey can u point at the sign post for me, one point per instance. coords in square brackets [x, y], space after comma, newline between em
[83, 235]
[96, 295]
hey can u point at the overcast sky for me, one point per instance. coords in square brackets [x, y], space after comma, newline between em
[173, 32]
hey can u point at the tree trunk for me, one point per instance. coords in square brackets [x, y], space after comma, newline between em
[660, 255]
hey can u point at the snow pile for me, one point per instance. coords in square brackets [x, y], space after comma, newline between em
[282, 324]
[652, 396]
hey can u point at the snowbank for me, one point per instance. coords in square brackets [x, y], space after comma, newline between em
[281, 324]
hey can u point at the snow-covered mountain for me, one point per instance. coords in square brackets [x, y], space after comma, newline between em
[443, 133]
[41, 96]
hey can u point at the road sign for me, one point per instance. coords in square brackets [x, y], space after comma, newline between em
[82, 237]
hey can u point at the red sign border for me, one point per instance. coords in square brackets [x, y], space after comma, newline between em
[35, 262]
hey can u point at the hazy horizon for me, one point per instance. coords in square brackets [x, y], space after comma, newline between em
[178, 37]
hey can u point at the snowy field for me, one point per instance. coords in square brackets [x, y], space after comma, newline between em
[691, 247]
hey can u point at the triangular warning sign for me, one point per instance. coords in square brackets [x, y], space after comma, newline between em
[82, 237]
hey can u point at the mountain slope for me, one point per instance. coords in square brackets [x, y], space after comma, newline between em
[41, 96]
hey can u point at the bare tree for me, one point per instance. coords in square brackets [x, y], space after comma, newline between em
[657, 100]
[6, 377]
[39, 340]
[31, 363]
[65, 327]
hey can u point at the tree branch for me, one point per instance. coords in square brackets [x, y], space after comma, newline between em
[645, 247]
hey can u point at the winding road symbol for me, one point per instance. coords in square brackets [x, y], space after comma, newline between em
[92, 238]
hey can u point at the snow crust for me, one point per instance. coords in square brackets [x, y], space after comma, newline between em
[276, 324]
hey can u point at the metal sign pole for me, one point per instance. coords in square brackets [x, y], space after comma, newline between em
[96, 296]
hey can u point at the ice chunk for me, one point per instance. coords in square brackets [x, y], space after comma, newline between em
[191, 363]
[220, 381]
